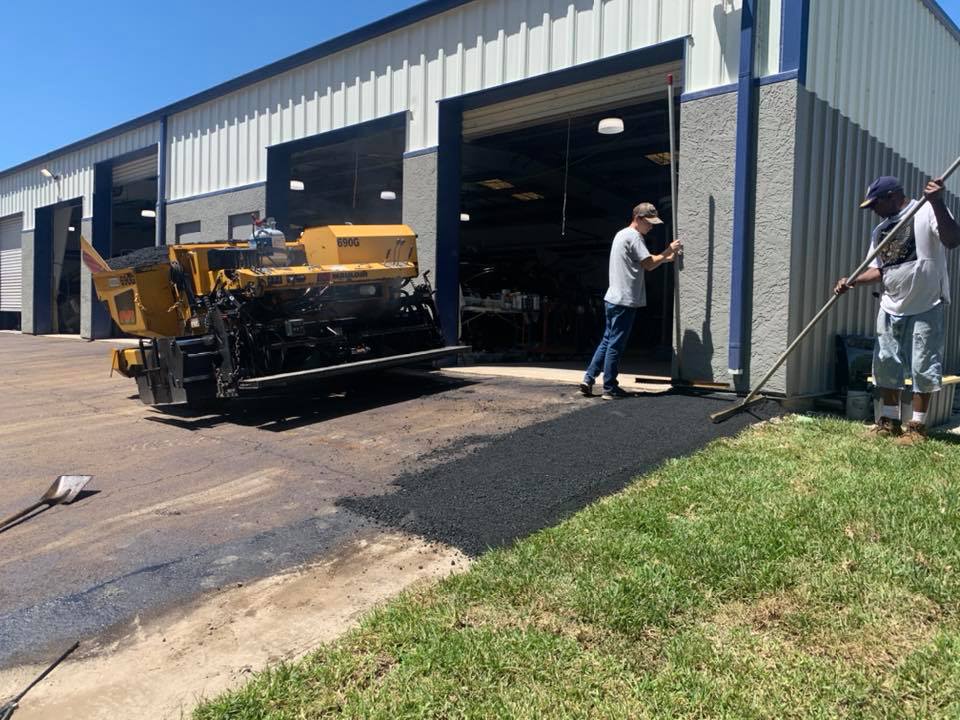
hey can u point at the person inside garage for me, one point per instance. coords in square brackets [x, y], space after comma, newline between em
[629, 261]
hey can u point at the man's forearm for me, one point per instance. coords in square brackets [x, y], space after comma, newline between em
[655, 261]
[948, 228]
[870, 276]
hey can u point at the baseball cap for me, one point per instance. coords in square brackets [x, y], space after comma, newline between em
[648, 212]
[882, 186]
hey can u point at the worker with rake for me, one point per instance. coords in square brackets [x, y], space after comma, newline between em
[912, 268]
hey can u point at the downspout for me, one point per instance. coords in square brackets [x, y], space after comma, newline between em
[746, 152]
[161, 222]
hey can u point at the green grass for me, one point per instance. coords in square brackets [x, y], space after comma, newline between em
[800, 570]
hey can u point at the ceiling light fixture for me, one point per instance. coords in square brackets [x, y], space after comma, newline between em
[660, 158]
[528, 196]
[464, 217]
[297, 185]
[610, 126]
[71, 229]
[496, 184]
[388, 195]
[148, 213]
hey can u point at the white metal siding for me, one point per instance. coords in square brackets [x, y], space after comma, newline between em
[612, 91]
[10, 264]
[26, 190]
[891, 67]
[222, 144]
[134, 170]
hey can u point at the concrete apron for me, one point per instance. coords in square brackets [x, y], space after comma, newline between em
[561, 376]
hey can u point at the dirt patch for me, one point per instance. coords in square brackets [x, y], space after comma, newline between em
[161, 668]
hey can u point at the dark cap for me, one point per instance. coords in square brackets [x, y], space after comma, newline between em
[648, 212]
[881, 187]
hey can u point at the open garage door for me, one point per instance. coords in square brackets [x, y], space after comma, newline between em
[542, 195]
[134, 203]
[11, 268]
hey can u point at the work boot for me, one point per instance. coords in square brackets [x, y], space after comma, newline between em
[586, 389]
[616, 393]
[915, 433]
[887, 428]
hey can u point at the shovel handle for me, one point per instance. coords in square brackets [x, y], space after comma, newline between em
[46, 672]
[16, 516]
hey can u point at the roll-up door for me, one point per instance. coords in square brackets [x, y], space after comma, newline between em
[11, 269]
[140, 169]
[570, 101]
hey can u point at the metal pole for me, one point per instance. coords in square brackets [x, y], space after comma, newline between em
[678, 330]
[723, 415]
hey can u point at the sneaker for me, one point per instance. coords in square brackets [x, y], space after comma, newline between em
[617, 393]
[915, 433]
[586, 389]
[887, 428]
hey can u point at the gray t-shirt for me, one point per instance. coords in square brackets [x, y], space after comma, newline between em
[626, 273]
[913, 265]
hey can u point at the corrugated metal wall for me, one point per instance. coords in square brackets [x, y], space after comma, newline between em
[878, 100]
[891, 67]
[222, 144]
[11, 265]
[26, 190]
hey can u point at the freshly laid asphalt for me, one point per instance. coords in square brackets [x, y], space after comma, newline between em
[540, 474]
[181, 505]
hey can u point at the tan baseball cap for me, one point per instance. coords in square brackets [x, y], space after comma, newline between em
[648, 212]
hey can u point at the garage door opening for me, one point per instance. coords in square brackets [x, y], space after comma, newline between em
[133, 205]
[541, 204]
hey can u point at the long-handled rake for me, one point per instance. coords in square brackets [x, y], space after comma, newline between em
[754, 397]
[8, 708]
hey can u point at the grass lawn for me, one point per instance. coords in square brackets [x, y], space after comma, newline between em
[799, 570]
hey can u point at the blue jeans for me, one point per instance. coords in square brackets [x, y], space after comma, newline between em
[615, 335]
[910, 346]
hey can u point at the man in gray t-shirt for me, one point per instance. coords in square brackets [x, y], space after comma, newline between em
[629, 260]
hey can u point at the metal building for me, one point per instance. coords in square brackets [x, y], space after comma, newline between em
[474, 121]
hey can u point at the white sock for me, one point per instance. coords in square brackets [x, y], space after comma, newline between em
[891, 411]
[919, 417]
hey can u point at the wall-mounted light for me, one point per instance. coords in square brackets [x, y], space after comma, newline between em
[610, 126]
[148, 213]
[49, 175]
[388, 195]
[297, 185]
[464, 217]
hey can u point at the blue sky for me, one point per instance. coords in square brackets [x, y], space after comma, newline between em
[73, 69]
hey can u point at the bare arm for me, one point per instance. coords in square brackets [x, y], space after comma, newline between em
[669, 255]
[948, 228]
[870, 276]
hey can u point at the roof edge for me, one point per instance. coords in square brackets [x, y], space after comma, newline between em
[365, 33]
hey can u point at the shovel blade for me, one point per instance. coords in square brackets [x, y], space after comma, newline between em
[66, 488]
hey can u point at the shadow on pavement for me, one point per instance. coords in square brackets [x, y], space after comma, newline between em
[538, 475]
[316, 404]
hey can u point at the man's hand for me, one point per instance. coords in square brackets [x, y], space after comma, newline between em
[842, 286]
[673, 249]
[933, 192]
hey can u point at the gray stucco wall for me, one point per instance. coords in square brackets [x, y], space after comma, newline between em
[705, 224]
[420, 207]
[213, 212]
[88, 295]
[772, 235]
[707, 164]
[26, 308]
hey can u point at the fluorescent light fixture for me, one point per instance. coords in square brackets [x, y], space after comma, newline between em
[388, 195]
[148, 213]
[46, 173]
[496, 184]
[71, 229]
[297, 185]
[464, 217]
[528, 196]
[660, 158]
[610, 126]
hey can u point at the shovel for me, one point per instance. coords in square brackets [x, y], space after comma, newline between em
[8, 708]
[63, 491]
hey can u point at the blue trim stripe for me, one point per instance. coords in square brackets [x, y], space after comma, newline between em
[791, 36]
[214, 193]
[778, 78]
[709, 92]
[417, 153]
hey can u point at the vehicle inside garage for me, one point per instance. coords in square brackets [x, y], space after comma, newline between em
[541, 204]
